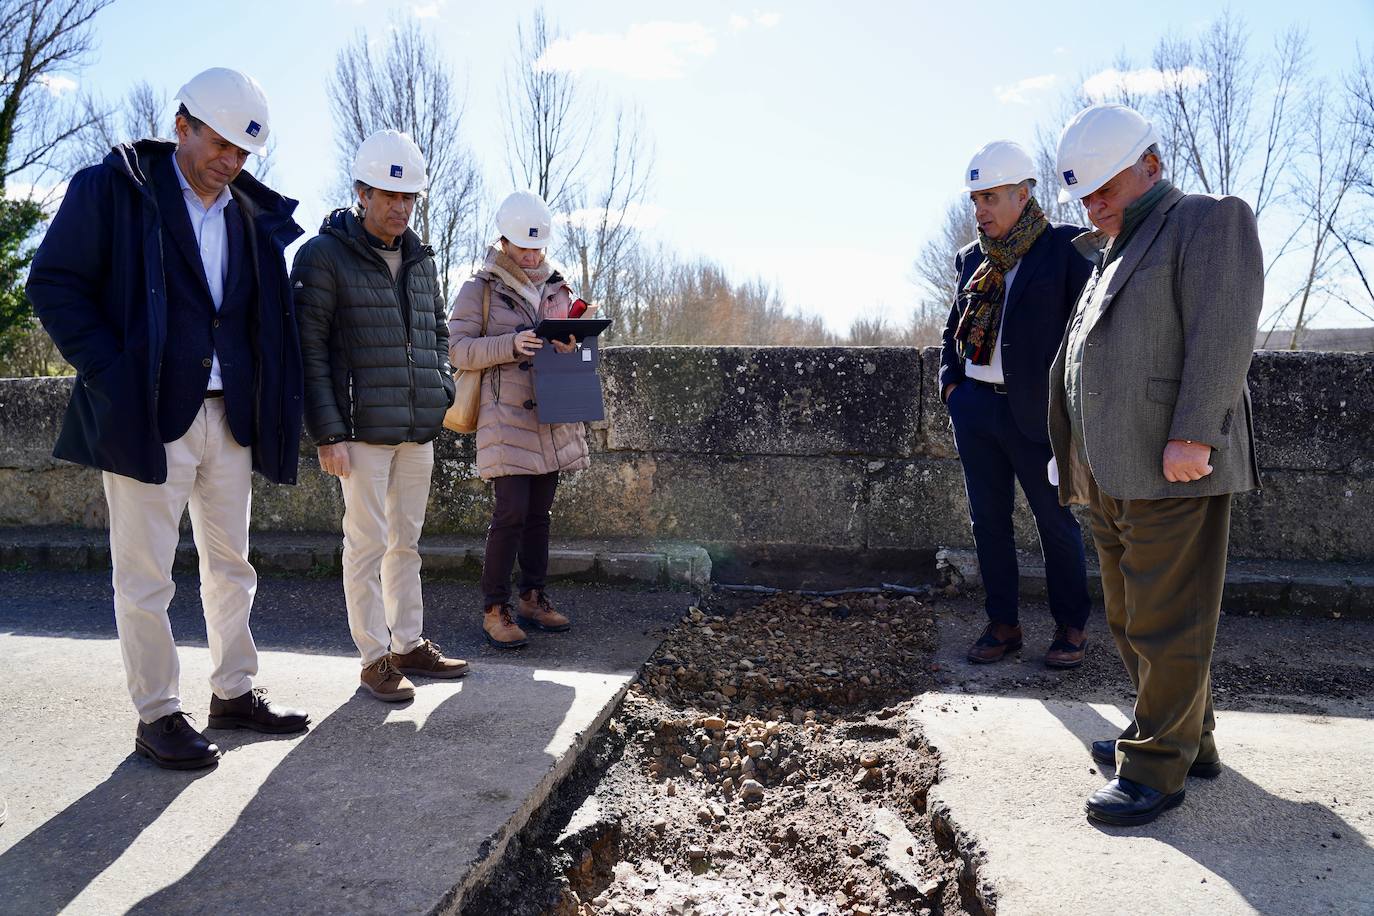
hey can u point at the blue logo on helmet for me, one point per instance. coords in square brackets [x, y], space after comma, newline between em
[253, 129]
[1069, 177]
[972, 174]
[396, 171]
[534, 232]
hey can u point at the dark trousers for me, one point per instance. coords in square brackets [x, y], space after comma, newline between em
[519, 527]
[1163, 569]
[995, 454]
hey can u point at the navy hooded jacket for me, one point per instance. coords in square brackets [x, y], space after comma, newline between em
[97, 284]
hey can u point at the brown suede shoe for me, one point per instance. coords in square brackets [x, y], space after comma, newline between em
[997, 640]
[384, 682]
[426, 660]
[1066, 651]
[537, 612]
[499, 627]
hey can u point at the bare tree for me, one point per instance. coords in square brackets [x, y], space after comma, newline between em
[41, 42]
[600, 234]
[549, 123]
[404, 82]
[934, 266]
[594, 173]
[1330, 164]
[143, 112]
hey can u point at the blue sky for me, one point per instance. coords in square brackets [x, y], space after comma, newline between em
[813, 144]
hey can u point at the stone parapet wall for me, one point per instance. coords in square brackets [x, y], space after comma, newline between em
[836, 453]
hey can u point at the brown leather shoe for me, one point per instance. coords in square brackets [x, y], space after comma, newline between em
[384, 682]
[498, 624]
[997, 640]
[425, 660]
[537, 612]
[1066, 651]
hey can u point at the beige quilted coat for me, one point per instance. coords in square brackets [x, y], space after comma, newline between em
[510, 438]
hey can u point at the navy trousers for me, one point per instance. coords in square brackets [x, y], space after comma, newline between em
[995, 454]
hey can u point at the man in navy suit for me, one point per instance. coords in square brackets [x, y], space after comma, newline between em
[161, 279]
[1017, 288]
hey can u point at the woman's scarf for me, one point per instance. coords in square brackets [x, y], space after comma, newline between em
[528, 283]
[986, 291]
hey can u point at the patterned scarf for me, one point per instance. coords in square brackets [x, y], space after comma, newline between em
[985, 292]
[528, 283]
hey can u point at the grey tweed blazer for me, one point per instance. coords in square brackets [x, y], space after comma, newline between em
[1168, 355]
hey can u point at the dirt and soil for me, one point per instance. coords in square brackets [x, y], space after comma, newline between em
[764, 762]
[761, 763]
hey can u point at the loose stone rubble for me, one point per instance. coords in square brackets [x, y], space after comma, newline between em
[760, 764]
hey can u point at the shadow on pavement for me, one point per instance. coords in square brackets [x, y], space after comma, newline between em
[1245, 834]
[54, 863]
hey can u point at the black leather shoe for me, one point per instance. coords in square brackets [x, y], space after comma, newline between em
[254, 710]
[1104, 752]
[1124, 803]
[172, 742]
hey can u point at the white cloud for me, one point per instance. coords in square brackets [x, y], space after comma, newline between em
[1017, 91]
[638, 216]
[647, 51]
[426, 10]
[1149, 81]
[57, 84]
[739, 23]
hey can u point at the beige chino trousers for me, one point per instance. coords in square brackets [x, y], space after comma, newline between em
[385, 495]
[212, 473]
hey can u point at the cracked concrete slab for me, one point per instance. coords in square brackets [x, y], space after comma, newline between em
[379, 807]
[1287, 828]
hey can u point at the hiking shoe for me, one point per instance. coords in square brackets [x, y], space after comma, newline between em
[426, 660]
[1066, 650]
[537, 612]
[498, 625]
[997, 640]
[384, 682]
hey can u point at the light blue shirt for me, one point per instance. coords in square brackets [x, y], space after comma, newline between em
[213, 242]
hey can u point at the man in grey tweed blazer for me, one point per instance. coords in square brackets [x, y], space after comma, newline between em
[1151, 427]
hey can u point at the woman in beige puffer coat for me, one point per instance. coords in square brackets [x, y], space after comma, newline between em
[521, 456]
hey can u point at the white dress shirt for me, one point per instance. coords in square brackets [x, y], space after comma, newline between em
[992, 372]
[213, 241]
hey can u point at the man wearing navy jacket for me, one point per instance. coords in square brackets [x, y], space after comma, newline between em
[1017, 288]
[162, 280]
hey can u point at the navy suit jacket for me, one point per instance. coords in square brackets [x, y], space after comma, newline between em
[1043, 296]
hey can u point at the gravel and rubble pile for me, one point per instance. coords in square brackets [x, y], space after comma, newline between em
[763, 763]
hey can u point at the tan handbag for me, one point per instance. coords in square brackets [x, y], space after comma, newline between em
[467, 398]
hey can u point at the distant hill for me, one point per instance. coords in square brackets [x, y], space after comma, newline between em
[1357, 339]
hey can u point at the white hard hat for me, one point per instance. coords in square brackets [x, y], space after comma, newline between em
[524, 220]
[232, 103]
[1098, 144]
[391, 161]
[1000, 162]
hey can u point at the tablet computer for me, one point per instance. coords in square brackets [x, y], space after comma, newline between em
[563, 328]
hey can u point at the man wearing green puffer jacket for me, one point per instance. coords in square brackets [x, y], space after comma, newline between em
[374, 343]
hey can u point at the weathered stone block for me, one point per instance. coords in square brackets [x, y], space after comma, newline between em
[31, 411]
[566, 562]
[918, 503]
[641, 567]
[758, 500]
[937, 437]
[1312, 411]
[1304, 515]
[60, 494]
[315, 503]
[763, 401]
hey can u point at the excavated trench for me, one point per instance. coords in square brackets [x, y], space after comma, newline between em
[764, 761]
